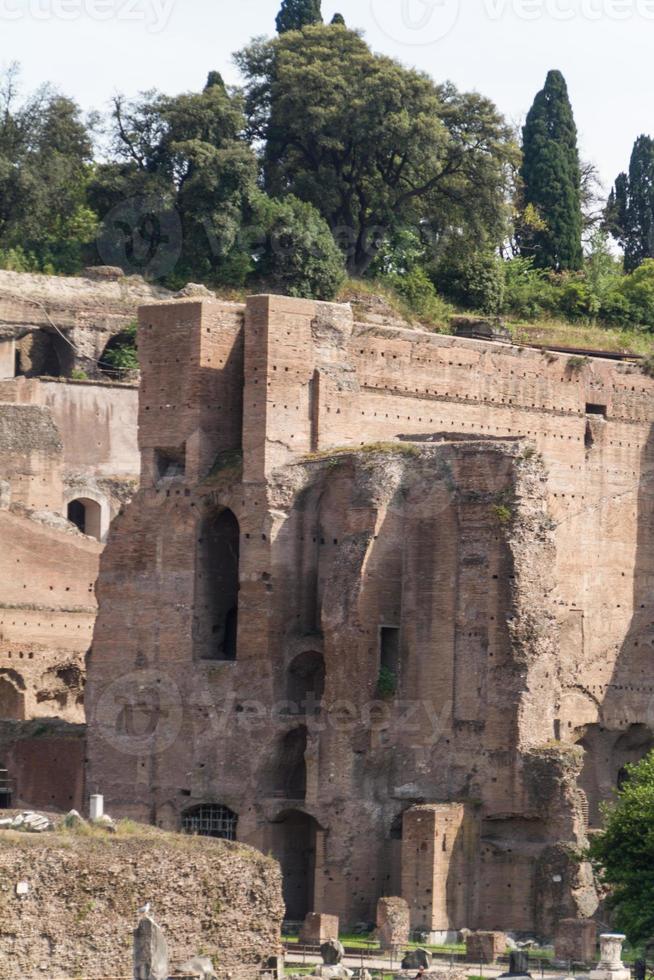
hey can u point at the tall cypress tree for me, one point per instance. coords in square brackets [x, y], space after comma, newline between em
[629, 214]
[296, 14]
[552, 179]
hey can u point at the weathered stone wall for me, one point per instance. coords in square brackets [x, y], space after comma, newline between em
[59, 443]
[209, 896]
[52, 325]
[47, 611]
[475, 515]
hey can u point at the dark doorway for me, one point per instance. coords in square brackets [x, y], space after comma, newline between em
[86, 515]
[216, 588]
[293, 843]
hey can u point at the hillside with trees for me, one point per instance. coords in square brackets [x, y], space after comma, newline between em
[333, 169]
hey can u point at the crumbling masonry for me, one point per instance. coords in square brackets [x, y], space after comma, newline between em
[381, 606]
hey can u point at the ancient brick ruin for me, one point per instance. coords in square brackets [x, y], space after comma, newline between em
[68, 461]
[380, 607]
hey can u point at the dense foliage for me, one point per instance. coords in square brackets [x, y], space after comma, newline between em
[296, 14]
[331, 160]
[630, 207]
[551, 177]
[374, 145]
[623, 853]
[45, 167]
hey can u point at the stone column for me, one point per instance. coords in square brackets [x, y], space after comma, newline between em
[611, 966]
[150, 951]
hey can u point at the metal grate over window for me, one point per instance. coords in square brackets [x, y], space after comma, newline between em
[210, 820]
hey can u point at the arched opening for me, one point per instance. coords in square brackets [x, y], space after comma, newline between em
[38, 354]
[120, 359]
[286, 772]
[86, 515]
[210, 820]
[12, 702]
[606, 755]
[306, 683]
[293, 843]
[216, 588]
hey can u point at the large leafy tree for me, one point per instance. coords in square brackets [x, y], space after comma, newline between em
[630, 209]
[623, 853]
[186, 156]
[45, 166]
[551, 179]
[373, 145]
[296, 14]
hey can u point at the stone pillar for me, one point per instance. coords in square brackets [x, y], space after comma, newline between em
[150, 951]
[317, 928]
[440, 844]
[575, 940]
[485, 947]
[393, 923]
[611, 966]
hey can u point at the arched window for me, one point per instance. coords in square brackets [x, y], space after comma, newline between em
[306, 682]
[119, 359]
[12, 702]
[210, 820]
[216, 588]
[86, 515]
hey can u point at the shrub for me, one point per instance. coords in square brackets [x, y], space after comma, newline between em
[418, 292]
[120, 355]
[386, 683]
[574, 299]
[474, 281]
[637, 289]
[528, 293]
[298, 255]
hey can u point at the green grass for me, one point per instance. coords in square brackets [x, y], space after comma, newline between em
[562, 333]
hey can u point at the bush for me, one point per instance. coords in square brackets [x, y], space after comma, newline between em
[120, 356]
[418, 292]
[18, 260]
[297, 253]
[574, 299]
[386, 683]
[474, 281]
[637, 290]
[528, 293]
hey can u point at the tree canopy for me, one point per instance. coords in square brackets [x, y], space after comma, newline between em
[185, 157]
[45, 165]
[623, 853]
[373, 145]
[630, 207]
[296, 14]
[551, 179]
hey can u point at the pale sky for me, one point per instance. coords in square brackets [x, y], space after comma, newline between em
[503, 48]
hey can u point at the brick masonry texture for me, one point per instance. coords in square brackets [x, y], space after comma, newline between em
[329, 507]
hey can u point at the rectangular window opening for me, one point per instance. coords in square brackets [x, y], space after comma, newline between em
[170, 463]
[600, 410]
